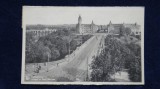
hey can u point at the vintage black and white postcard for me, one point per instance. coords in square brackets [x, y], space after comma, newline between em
[83, 45]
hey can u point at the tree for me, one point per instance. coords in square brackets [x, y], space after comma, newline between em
[116, 57]
[125, 31]
[54, 53]
[110, 61]
[128, 31]
[61, 45]
[46, 53]
[122, 31]
[41, 52]
[38, 53]
[135, 70]
[101, 68]
[30, 41]
[73, 44]
[134, 63]
[55, 44]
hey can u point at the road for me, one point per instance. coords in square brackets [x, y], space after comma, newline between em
[77, 65]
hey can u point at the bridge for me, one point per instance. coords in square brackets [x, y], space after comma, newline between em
[40, 33]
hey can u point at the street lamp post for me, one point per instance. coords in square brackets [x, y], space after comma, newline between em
[69, 48]
[87, 70]
[69, 51]
[47, 63]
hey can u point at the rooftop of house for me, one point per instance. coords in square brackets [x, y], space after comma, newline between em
[132, 26]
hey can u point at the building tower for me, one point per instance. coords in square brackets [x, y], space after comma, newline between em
[79, 20]
[110, 23]
[79, 28]
[92, 27]
[110, 27]
[92, 22]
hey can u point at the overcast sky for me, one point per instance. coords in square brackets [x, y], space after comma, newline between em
[69, 15]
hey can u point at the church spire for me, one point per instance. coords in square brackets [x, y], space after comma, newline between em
[110, 22]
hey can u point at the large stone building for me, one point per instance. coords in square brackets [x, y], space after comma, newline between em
[85, 28]
[115, 28]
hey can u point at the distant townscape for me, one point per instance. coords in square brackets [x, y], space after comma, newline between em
[80, 28]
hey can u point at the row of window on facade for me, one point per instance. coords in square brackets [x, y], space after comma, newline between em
[40, 33]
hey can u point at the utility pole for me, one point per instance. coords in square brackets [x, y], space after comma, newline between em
[87, 71]
[69, 48]
[47, 63]
[69, 51]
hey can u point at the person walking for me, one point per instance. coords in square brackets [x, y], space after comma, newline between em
[57, 64]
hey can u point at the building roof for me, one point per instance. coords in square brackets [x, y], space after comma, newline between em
[132, 26]
[87, 25]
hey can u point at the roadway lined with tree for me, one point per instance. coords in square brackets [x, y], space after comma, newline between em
[77, 66]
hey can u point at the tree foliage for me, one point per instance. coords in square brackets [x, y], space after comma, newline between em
[128, 31]
[73, 44]
[38, 53]
[110, 61]
[134, 64]
[114, 58]
[56, 45]
[85, 38]
[125, 31]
